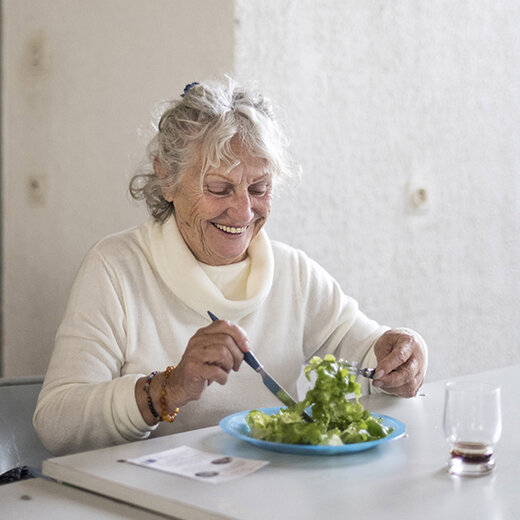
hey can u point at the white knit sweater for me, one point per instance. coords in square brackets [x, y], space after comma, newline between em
[139, 297]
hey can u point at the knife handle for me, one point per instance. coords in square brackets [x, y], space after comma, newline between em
[249, 357]
[251, 360]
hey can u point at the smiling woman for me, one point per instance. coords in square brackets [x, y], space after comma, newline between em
[216, 155]
[141, 297]
[219, 220]
[213, 125]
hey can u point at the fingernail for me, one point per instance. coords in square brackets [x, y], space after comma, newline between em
[379, 374]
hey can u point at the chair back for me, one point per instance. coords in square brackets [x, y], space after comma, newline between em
[19, 443]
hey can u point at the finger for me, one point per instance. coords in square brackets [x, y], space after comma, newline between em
[407, 390]
[402, 375]
[221, 355]
[207, 338]
[233, 330]
[231, 335]
[193, 377]
[401, 351]
[224, 345]
[214, 373]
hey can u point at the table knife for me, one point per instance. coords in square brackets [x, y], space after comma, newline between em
[275, 388]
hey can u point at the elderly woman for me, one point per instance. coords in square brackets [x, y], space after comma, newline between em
[137, 351]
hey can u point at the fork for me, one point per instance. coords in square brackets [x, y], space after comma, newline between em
[354, 368]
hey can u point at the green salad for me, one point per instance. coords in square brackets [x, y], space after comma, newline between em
[336, 418]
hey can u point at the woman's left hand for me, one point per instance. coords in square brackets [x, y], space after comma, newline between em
[400, 364]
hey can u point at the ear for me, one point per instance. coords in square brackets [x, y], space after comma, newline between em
[162, 172]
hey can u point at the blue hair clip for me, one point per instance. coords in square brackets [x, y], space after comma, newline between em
[187, 87]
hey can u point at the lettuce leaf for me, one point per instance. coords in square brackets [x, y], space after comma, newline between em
[338, 416]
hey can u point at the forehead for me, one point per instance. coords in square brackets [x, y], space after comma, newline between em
[230, 163]
[250, 167]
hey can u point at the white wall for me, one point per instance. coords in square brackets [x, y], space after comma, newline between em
[379, 94]
[376, 94]
[70, 120]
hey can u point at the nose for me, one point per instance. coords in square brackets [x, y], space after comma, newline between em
[240, 209]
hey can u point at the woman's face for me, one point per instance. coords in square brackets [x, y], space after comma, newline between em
[219, 220]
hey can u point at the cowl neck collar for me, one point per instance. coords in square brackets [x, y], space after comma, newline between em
[184, 276]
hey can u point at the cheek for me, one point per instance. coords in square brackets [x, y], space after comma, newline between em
[190, 207]
[264, 206]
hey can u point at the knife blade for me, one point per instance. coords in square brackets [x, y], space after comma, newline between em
[275, 388]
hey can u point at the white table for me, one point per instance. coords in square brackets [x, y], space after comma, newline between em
[406, 478]
[42, 499]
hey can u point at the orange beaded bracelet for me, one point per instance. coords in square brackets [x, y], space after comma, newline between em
[165, 415]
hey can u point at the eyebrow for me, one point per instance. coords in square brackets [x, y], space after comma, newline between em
[225, 178]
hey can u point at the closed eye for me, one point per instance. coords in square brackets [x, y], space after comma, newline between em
[219, 188]
[259, 189]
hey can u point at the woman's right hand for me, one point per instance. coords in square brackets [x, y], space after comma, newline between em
[211, 354]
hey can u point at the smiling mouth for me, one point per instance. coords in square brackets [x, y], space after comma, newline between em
[228, 229]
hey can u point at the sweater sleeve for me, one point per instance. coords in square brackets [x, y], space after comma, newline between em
[85, 402]
[338, 326]
[333, 321]
[335, 324]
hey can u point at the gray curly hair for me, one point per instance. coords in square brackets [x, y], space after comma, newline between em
[197, 130]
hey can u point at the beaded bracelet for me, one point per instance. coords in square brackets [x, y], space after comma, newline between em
[148, 397]
[165, 415]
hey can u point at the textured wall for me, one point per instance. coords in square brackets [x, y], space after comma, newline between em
[378, 95]
[79, 79]
[375, 94]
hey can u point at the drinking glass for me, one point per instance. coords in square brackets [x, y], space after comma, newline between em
[472, 426]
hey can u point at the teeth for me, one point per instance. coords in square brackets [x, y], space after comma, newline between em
[233, 230]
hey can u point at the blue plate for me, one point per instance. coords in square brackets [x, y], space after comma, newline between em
[236, 426]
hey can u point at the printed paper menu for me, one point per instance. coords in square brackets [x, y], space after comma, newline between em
[199, 465]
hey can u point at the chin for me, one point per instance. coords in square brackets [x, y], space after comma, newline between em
[233, 259]
[231, 249]
[229, 257]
